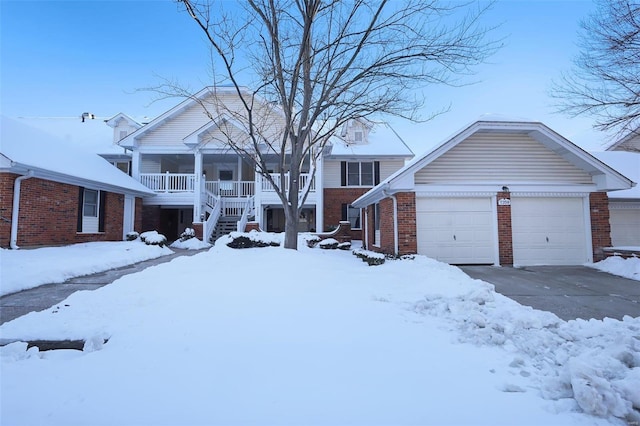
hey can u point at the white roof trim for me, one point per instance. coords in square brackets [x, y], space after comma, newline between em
[609, 179]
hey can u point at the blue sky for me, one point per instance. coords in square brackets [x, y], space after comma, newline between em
[62, 58]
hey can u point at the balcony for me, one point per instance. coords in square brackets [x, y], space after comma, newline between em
[178, 188]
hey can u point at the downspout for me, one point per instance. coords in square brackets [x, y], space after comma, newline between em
[395, 219]
[15, 213]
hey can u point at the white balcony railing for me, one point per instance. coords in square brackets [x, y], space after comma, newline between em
[169, 182]
[230, 188]
[304, 179]
[185, 182]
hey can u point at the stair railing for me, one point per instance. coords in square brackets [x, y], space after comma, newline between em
[248, 207]
[212, 221]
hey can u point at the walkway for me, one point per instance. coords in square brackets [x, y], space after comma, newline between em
[43, 297]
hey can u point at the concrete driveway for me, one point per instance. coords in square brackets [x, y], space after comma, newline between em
[570, 292]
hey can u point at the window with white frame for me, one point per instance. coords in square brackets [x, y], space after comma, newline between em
[91, 211]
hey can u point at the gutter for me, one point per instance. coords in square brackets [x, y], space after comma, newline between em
[16, 209]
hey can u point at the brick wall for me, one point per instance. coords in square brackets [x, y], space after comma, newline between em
[600, 226]
[407, 231]
[334, 198]
[505, 235]
[49, 213]
[150, 219]
[407, 235]
[137, 224]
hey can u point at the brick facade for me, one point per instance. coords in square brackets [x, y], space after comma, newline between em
[334, 198]
[407, 235]
[600, 225]
[505, 235]
[150, 218]
[49, 214]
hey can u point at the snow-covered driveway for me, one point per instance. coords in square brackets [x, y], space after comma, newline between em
[273, 336]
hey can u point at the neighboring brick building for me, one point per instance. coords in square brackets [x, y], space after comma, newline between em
[52, 193]
[498, 192]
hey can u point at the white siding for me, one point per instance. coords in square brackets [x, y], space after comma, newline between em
[624, 218]
[173, 131]
[332, 170]
[501, 157]
[632, 145]
[150, 165]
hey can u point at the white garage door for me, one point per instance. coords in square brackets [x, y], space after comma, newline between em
[548, 231]
[625, 224]
[456, 230]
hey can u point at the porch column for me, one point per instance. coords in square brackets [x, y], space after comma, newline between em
[198, 187]
[135, 165]
[319, 195]
[257, 198]
[239, 177]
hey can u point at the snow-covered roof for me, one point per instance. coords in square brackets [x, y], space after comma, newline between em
[627, 163]
[92, 135]
[382, 141]
[25, 148]
[605, 177]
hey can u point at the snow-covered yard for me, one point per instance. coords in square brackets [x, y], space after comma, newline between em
[274, 336]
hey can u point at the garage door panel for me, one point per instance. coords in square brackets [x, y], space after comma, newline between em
[548, 231]
[625, 225]
[456, 230]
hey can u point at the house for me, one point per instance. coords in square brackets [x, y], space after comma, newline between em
[498, 192]
[624, 206]
[184, 157]
[53, 192]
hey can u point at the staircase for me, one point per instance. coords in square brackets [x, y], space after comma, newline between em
[225, 226]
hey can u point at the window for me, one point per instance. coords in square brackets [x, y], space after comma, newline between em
[352, 215]
[360, 173]
[123, 165]
[123, 134]
[357, 136]
[91, 210]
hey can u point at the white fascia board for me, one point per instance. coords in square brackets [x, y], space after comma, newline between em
[165, 150]
[493, 188]
[5, 162]
[23, 169]
[113, 121]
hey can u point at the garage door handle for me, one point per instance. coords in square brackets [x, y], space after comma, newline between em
[454, 238]
[547, 239]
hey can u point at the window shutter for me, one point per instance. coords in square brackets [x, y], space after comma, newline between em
[101, 211]
[376, 172]
[345, 208]
[80, 208]
[343, 173]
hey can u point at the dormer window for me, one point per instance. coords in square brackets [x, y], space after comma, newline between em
[123, 134]
[357, 136]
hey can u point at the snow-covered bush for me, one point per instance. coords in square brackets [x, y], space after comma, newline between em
[329, 244]
[312, 240]
[371, 257]
[253, 239]
[187, 234]
[345, 245]
[132, 236]
[153, 238]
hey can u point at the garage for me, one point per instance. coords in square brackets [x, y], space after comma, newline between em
[456, 230]
[549, 231]
[624, 218]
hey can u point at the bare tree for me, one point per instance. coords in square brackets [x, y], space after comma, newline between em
[605, 79]
[324, 62]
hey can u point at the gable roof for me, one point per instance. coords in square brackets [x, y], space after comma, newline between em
[382, 141]
[628, 138]
[627, 163]
[26, 149]
[606, 178]
[129, 141]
